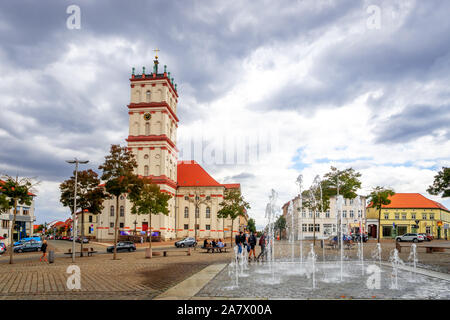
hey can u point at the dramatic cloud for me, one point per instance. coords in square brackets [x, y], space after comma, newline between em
[268, 89]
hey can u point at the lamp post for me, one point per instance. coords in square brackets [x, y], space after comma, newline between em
[74, 227]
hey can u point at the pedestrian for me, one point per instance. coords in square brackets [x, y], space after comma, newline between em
[44, 251]
[262, 244]
[142, 239]
[239, 240]
[252, 243]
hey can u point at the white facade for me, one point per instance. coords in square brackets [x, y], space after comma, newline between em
[24, 219]
[326, 222]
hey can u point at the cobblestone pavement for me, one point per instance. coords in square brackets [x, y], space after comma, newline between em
[131, 277]
[134, 277]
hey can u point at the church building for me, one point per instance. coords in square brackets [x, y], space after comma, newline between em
[152, 138]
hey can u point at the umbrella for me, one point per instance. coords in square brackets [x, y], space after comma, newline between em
[1, 238]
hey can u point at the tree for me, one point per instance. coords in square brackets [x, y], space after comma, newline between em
[379, 197]
[118, 173]
[233, 206]
[150, 200]
[280, 224]
[90, 196]
[441, 184]
[15, 191]
[251, 226]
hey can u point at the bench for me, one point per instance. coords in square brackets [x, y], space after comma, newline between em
[166, 251]
[89, 252]
[431, 249]
[216, 249]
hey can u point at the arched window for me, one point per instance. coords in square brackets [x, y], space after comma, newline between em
[111, 211]
[147, 128]
[197, 212]
[208, 212]
[147, 96]
[145, 170]
[122, 211]
[186, 212]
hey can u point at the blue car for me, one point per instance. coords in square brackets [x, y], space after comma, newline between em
[25, 240]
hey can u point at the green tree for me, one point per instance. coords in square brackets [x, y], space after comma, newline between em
[379, 197]
[118, 172]
[441, 184]
[251, 226]
[150, 200]
[343, 182]
[90, 196]
[232, 206]
[280, 224]
[15, 191]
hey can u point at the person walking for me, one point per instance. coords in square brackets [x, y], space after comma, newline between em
[239, 240]
[262, 244]
[44, 251]
[252, 244]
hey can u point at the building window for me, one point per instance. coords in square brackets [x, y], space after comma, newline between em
[197, 212]
[208, 197]
[186, 198]
[386, 216]
[387, 231]
[424, 216]
[147, 129]
[359, 213]
[344, 213]
[327, 214]
[413, 216]
[351, 201]
[90, 219]
[208, 227]
[310, 214]
[122, 211]
[317, 227]
[304, 228]
[351, 212]
[431, 216]
[121, 225]
[428, 229]
[317, 214]
[310, 227]
[304, 214]
[5, 224]
[147, 96]
[25, 212]
[145, 170]
[186, 227]
[186, 212]
[208, 212]
[111, 224]
[397, 216]
[111, 211]
[197, 226]
[197, 198]
[404, 216]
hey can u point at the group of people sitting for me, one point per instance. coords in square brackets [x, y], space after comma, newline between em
[214, 244]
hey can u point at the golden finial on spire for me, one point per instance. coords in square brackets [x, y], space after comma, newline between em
[156, 55]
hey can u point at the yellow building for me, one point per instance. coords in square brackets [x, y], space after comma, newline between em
[409, 212]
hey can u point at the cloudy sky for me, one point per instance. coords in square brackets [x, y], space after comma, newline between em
[268, 89]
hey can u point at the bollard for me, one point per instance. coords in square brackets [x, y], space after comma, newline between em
[51, 256]
[148, 253]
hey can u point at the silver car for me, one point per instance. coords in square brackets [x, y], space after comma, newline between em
[415, 237]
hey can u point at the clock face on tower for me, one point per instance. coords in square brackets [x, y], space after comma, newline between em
[147, 116]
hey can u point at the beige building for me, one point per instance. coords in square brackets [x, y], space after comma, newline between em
[325, 223]
[153, 124]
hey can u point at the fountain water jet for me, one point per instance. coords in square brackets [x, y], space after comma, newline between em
[413, 258]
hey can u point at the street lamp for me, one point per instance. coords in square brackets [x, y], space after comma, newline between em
[74, 227]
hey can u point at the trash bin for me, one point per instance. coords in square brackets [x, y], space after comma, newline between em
[51, 256]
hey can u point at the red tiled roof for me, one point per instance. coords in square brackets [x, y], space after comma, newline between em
[412, 200]
[190, 174]
[232, 185]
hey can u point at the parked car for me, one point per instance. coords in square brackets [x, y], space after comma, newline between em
[186, 242]
[123, 246]
[23, 240]
[427, 237]
[2, 248]
[28, 246]
[85, 240]
[415, 237]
